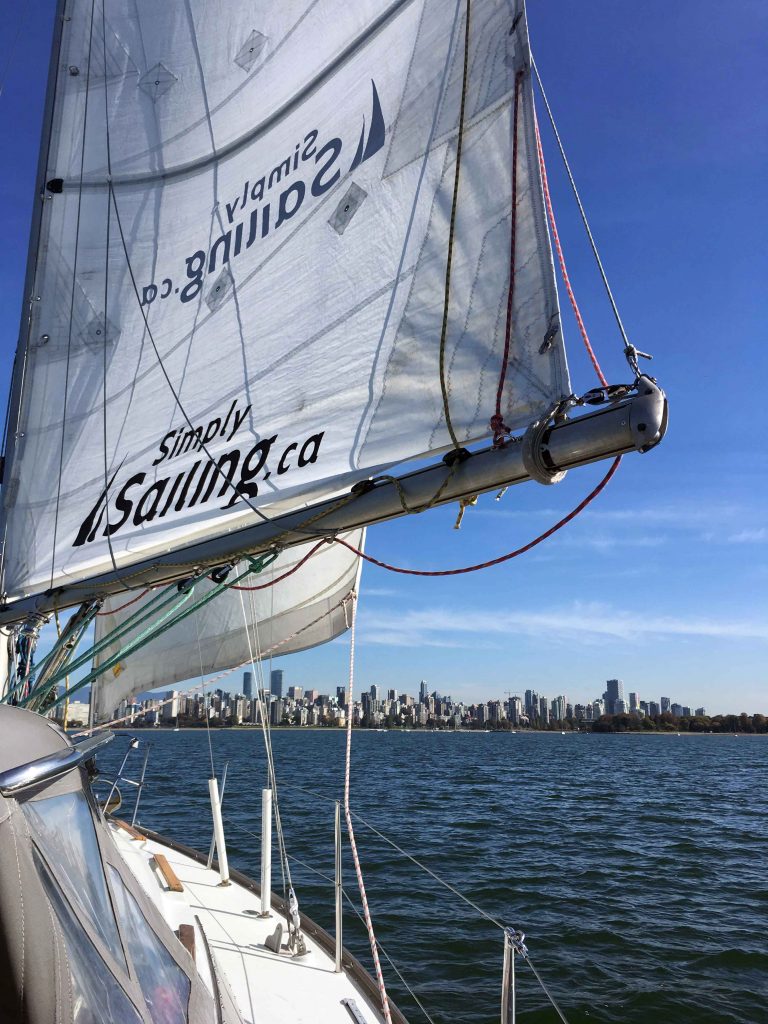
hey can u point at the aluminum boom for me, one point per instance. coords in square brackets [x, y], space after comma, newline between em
[635, 423]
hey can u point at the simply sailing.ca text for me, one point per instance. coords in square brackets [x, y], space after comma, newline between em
[261, 219]
[263, 204]
[224, 479]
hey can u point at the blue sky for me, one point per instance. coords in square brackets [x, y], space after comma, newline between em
[664, 581]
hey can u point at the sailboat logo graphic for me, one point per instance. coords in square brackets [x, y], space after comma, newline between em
[366, 149]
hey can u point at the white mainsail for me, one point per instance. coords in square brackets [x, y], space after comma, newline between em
[251, 317]
[307, 608]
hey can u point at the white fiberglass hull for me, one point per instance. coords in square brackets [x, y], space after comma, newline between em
[265, 986]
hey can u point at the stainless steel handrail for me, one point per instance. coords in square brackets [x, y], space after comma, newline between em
[52, 765]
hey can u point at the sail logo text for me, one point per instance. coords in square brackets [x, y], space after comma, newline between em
[225, 480]
[271, 211]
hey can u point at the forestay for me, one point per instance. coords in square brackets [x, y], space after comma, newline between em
[307, 608]
[253, 318]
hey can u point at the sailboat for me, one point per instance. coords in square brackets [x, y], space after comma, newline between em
[279, 251]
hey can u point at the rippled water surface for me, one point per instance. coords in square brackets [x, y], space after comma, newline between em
[636, 865]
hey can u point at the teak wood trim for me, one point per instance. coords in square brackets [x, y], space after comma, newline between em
[168, 873]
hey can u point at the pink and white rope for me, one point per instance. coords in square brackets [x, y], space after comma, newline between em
[351, 831]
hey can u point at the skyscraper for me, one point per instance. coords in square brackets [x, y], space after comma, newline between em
[614, 691]
[423, 692]
[634, 702]
[276, 682]
[248, 684]
[666, 704]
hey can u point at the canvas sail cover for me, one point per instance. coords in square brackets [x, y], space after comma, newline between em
[307, 608]
[251, 318]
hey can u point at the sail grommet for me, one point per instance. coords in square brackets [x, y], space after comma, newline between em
[348, 206]
[250, 51]
[157, 81]
[532, 451]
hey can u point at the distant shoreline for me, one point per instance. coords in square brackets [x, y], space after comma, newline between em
[427, 732]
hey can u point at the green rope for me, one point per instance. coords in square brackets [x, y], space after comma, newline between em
[143, 638]
[156, 603]
[157, 628]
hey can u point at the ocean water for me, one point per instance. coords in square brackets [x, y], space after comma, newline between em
[636, 865]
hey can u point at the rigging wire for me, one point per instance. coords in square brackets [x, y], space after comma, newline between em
[350, 827]
[202, 683]
[561, 257]
[327, 878]
[155, 629]
[271, 773]
[582, 211]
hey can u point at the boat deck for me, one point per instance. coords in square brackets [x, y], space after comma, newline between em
[266, 986]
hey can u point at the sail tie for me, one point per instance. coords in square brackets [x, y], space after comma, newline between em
[502, 558]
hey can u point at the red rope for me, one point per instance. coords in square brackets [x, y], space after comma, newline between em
[278, 579]
[497, 420]
[503, 558]
[561, 257]
[114, 611]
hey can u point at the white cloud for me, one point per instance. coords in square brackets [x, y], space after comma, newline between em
[579, 623]
[748, 536]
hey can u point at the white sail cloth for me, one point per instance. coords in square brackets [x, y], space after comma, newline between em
[255, 319]
[302, 611]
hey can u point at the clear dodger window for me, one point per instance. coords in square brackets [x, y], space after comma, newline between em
[97, 997]
[165, 986]
[63, 829]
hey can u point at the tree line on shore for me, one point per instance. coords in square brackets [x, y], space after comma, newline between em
[630, 722]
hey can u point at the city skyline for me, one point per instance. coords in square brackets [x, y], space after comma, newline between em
[376, 707]
[614, 699]
[663, 581]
